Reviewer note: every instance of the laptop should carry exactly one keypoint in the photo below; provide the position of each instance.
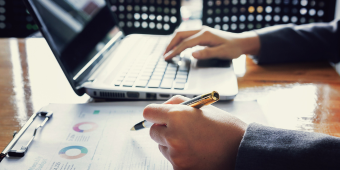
(99, 59)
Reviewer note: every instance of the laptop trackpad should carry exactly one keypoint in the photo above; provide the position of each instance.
(222, 80)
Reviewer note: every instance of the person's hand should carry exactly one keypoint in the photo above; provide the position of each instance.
(206, 138)
(219, 44)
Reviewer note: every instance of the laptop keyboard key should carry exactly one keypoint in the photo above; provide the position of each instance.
(173, 65)
(132, 77)
(182, 73)
(146, 74)
(162, 63)
(156, 77)
(181, 77)
(181, 80)
(117, 83)
(159, 70)
(120, 78)
(123, 73)
(141, 83)
(130, 80)
(167, 83)
(186, 69)
(151, 67)
(158, 74)
(128, 84)
(171, 69)
(154, 83)
(138, 66)
(179, 86)
(169, 76)
(133, 72)
(144, 77)
(148, 71)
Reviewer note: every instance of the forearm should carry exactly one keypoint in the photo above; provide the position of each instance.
(269, 148)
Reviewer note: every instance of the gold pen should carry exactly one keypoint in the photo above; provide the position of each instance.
(196, 102)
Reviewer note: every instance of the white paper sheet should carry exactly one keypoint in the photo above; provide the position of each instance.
(97, 136)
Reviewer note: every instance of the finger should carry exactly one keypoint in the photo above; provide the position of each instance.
(177, 100)
(157, 133)
(211, 52)
(178, 38)
(165, 151)
(203, 38)
(156, 113)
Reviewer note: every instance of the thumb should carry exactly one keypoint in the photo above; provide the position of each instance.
(210, 52)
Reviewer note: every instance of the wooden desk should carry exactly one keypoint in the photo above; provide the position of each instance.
(303, 96)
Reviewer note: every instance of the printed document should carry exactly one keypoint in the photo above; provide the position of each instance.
(97, 136)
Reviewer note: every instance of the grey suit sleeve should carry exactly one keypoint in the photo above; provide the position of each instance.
(267, 148)
(292, 43)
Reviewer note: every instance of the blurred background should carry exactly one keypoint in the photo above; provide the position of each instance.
(142, 16)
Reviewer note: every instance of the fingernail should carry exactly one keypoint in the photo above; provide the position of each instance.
(196, 54)
(167, 54)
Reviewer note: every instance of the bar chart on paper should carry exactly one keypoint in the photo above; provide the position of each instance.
(92, 137)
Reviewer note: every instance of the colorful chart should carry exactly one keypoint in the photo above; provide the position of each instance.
(77, 129)
(83, 152)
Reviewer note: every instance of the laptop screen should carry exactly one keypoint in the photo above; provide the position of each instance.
(76, 31)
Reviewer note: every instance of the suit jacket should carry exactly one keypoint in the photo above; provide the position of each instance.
(267, 148)
(292, 43)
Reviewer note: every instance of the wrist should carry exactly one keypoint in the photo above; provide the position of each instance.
(249, 42)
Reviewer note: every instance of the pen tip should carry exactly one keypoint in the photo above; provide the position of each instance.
(133, 129)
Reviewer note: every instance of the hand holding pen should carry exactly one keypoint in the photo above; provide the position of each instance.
(197, 102)
(205, 138)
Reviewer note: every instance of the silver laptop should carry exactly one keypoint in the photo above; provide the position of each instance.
(98, 59)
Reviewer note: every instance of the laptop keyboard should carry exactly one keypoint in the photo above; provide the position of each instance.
(151, 71)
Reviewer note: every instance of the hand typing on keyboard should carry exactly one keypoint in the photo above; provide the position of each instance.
(220, 44)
